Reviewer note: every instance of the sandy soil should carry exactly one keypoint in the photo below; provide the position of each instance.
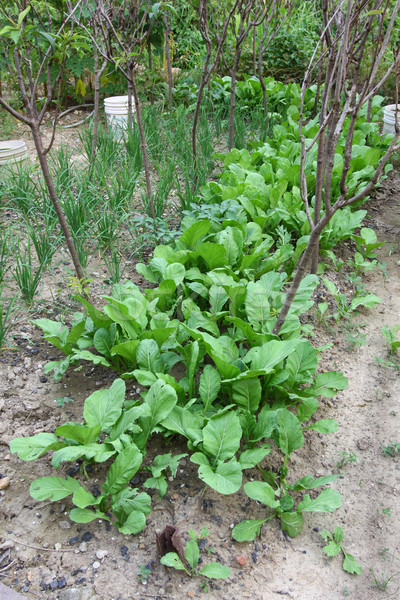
(44, 555)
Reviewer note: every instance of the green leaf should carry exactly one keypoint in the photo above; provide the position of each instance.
(247, 394)
(148, 356)
(53, 488)
(327, 501)
(157, 483)
(171, 559)
(226, 479)
(183, 421)
(332, 548)
(84, 515)
(368, 301)
(104, 341)
(161, 399)
(123, 469)
(257, 305)
(325, 426)
(270, 354)
(97, 452)
(247, 530)
(30, 448)
(327, 384)
(215, 570)
(290, 435)
(192, 553)
(217, 298)
(214, 255)
(262, 492)
(192, 235)
(82, 498)
(350, 565)
(306, 409)
(135, 522)
(78, 432)
(308, 482)
(210, 384)
(292, 523)
(301, 365)
(103, 407)
(250, 458)
(222, 435)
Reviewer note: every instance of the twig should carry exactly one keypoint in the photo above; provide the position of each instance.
(41, 549)
(8, 566)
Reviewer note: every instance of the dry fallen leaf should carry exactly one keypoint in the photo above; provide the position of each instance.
(169, 540)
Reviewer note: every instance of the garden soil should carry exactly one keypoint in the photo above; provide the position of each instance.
(44, 555)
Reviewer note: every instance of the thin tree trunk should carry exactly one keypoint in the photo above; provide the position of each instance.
(300, 273)
(254, 50)
(130, 111)
(233, 97)
(37, 138)
(142, 142)
(168, 61)
(97, 74)
(151, 71)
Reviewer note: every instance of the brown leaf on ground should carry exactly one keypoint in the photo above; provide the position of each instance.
(169, 540)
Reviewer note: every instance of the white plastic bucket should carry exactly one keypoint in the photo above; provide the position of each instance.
(116, 109)
(389, 118)
(13, 151)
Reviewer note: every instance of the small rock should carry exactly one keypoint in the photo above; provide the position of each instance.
(70, 594)
(100, 554)
(241, 559)
(61, 583)
(363, 443)
(142, 546)
(87, 536)
(6, 545)
(169, 587)
(96, 565)
(83, 547)
(64, 525)
(57, 546)
(191, 594)
(73, 540)
(10, 392)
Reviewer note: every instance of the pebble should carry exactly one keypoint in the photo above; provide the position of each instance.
(142, 546)
(169, 587)
(100, 554)
(96, 565)
(191, 594)
(241, 559)
(6, 545)
(83, 547)
(64, 525)
(57, 546)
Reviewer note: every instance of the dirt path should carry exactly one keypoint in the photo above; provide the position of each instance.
(44, 555)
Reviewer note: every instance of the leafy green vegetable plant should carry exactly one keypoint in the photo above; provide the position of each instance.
(211, 570)
(159, 468)
(335, 546)
(104, 415)
(391, 336)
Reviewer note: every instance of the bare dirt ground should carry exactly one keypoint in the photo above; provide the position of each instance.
(44, 555)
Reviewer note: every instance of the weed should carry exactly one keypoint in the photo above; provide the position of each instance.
(384, 511)
(6, 320)
(386, 576)
(391, 449)
(212, 570)
(24, 275)
(391, 336)
(143, 574)
(62, 401)
(346, 458)
(335, 546)
(80, 286)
